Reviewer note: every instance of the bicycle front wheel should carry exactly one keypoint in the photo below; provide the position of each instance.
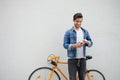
(94, 75)
(43, 73)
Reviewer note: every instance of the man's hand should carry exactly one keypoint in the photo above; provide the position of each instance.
(85, 41)
(77, 45)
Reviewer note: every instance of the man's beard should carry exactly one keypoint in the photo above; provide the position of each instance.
(77, 26)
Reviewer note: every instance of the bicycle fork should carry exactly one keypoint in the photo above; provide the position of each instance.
(51, 74)
(53, 69)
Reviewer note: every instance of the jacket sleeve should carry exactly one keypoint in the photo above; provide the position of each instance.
(66, 43)
(90, 43)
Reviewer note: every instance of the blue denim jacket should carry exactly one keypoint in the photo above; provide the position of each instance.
(70, 38)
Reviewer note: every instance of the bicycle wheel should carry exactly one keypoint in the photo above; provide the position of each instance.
(94, 75)
(43, 73)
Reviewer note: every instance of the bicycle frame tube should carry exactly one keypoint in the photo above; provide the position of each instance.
(62, 73)
(62, 62)
(56, 67)
(51, 74)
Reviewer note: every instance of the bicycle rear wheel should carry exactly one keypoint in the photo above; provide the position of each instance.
(43, 73)
(94, 75)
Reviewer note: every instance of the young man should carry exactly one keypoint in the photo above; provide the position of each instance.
(75, 41)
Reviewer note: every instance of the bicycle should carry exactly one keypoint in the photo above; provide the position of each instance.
(52, 74)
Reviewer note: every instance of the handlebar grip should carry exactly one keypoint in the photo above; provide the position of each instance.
(54, 57)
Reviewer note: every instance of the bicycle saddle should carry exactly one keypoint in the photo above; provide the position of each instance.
(88, 57)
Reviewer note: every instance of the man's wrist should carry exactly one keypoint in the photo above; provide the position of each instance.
(73, 46)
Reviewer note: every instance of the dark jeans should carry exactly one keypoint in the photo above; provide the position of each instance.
(76, 65)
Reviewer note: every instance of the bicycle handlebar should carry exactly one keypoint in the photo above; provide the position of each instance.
(54, 57)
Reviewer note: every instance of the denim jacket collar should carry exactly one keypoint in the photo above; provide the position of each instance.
(73, 29)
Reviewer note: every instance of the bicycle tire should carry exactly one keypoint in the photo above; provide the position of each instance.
(96, 71)
(44, 68)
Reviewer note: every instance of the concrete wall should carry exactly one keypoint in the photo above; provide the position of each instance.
(30, 30)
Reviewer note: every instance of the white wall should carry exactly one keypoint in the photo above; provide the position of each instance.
(30, 30)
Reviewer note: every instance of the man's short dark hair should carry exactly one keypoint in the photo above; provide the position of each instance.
(77, 15)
